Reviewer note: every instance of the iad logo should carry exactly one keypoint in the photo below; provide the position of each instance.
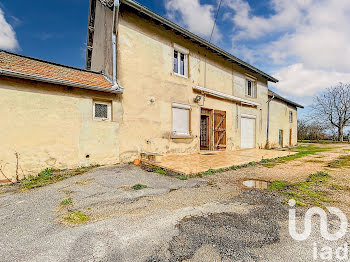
(323, 223)
(326, 252)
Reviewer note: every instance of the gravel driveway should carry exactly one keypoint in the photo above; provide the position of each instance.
(171, 220)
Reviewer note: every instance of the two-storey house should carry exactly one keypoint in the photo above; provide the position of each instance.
(182, 94)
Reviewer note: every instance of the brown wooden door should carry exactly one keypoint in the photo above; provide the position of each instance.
(290, 136)
(219, 130)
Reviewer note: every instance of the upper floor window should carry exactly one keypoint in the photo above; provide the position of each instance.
(290, 117)
(250, 88)
(180, 61)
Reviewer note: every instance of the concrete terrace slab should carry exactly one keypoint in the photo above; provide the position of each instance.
(200, 162)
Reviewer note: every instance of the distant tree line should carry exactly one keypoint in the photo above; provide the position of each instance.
(312, 130)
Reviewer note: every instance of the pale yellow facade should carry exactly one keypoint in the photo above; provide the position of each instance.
(280, 120)
(145, 70)
(52, 126)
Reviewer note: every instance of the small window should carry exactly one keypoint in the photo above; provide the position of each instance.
(181, 119)
(250, 88)
(180, 63)
(102, 111)
(290, 117)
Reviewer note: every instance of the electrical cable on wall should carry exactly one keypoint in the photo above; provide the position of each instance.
(211, 36)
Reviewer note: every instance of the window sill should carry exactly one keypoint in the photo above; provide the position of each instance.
(102, 120)
(179, 75)
(181, 137)
(251, 97)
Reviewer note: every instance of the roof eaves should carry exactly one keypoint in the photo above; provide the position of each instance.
(182, 30)
(271, 93)
(57, 81)
(49, 62)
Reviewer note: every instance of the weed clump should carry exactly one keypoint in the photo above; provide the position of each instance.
(50, 176)
(139, 187)
(342, 161)
(66, 202)
(76, 217)
(277, 185)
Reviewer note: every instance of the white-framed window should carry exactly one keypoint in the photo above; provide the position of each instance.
(180, 61)
(250, 88)
(102, 111)
(181, 119)
(290, 117)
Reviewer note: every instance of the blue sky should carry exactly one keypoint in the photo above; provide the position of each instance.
(303, 43)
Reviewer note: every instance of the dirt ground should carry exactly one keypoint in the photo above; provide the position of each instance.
(298, 171)
(214, 218)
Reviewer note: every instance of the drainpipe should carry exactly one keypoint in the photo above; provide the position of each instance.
(114, 44)
(268, 117)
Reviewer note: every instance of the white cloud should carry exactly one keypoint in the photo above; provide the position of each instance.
(308, 39)
(287, 15)
(8, 38)
(194, 16)
(301, 82)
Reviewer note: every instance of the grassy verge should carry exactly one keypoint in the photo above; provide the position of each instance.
(50, 176)
(302, 151)
(342, 161)
(209, 172)
(312, 192)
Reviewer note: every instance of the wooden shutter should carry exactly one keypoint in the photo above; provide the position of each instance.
(220, 130)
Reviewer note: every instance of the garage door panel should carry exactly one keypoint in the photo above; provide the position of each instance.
(247, 132)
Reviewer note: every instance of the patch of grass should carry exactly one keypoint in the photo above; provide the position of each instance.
(209, 172)
(342, 161)
(277, 185)
(319, 177)
(139, 187)
(302, 151)
(310, 192)
(44, 177)
(76, 217)
(182, 177)
(50, 176)
(314, 161)
(66, 202)
(160, 171)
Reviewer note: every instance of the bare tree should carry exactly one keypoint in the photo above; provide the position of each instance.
(333, 107)
(302, 129)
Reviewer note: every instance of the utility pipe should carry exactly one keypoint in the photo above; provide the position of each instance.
(114, 44)
(268, 116)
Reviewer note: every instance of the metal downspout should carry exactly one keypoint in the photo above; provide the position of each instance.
(268, 117)
(114, 44)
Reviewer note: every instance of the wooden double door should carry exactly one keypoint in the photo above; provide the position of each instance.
(213, 129)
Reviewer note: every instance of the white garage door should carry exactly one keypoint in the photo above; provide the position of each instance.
(247, 132)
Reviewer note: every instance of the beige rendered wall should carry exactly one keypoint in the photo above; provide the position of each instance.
(145, 70)
(279, 120)
(52, 127)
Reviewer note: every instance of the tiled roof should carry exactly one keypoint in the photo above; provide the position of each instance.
(22, 65)
(271, 93)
